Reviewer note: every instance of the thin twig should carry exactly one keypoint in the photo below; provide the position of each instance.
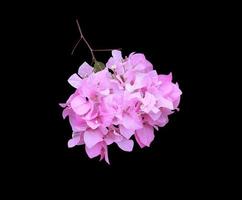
(88, 45)
(79, 27)
(90, 48)
(106, 49)
(84, 39)
(72, 52)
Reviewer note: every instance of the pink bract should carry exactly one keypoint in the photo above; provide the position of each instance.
(119, 107)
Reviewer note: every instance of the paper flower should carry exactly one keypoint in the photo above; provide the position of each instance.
(121, 103)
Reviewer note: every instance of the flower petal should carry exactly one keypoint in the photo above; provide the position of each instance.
(75, 81)
(94, 151)
(63, 105)
(77, 124)
(131, 122)
(138, 141)
(148, 102)
(80, 106)
(93, 124)
(106, 154)
(155, 116)
(126, 145)
(146, 135)
(117, 55)
(74, 141)
(65, 112)
(127, 133)
(85, 70)
(92, 137)
(163, 102)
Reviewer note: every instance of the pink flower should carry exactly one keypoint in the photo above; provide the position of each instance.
(126, 100)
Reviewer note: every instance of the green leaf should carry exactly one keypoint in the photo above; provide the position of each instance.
(98, 66)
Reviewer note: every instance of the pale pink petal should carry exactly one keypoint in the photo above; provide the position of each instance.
(106, 119)
(156, 128)
(136, 58)
(106, 154)
(93, 113)
(162, 121)
(165, 78)
(75, 81)
(131, 122)
(109, 140)
(63, 105)
(71, 97)
(77, 124)
(105, 92)
(163, 102)
(117, 55)
(92, 137)
(127, 133)
(93, 124)
(65, 112)
(146, 135)
(80, 135)
(140, 67)
(135, 95)
(148, 102)
(79, 105)
(102, 154)
(85, 70)
(94, 151)
(155, 110)
(155, 116)
(74, 141)
(140, 81)
(138, 141)
(130, 88)
(126, 145)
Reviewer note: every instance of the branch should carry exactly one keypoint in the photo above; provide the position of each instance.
(74, 48)
(106, 49)
(88, 45)
(84, 39)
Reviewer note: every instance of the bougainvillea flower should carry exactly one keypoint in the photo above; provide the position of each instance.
(121, 103)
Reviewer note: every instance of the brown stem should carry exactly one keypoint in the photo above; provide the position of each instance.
(88, 45)
(106, 49)
(74, 48)
(84, 39)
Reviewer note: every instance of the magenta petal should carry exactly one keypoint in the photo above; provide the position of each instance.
(106, 154)
(94, 151)
(74, 141)
(75, 81)
(76, 122)
(79, 105)
(92, 137)
(126, 145)
(65, 112)
(139, 142)
(146, 135)
(127, 133)
(148, 102)
(92, 114)
(155, 116)
(131, 122)
(93, 124)
(165, 103)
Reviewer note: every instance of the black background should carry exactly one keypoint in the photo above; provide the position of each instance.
(169, 37)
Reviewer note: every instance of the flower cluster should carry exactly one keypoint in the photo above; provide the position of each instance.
(124, 101)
